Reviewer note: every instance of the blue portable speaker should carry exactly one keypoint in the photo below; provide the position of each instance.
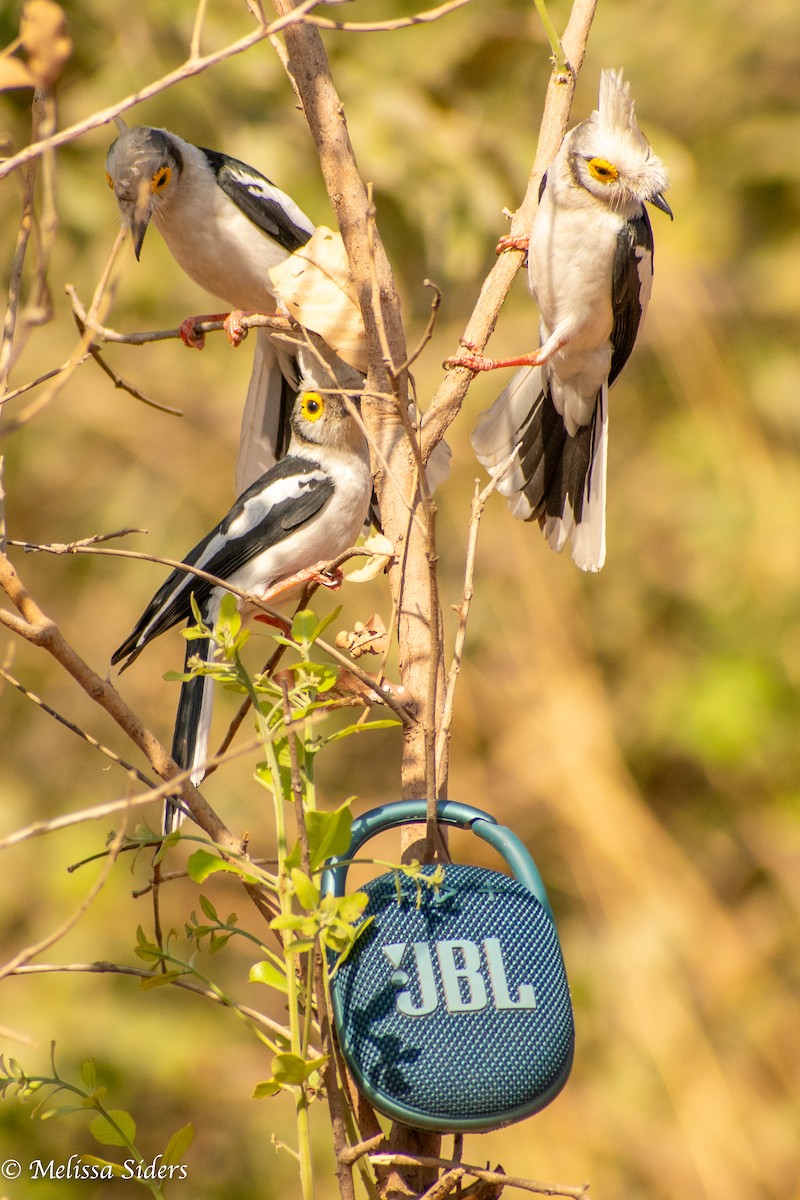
(453, 1010)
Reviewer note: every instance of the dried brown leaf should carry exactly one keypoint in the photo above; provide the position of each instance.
(14, 74)
(315, 287)
(45, 37)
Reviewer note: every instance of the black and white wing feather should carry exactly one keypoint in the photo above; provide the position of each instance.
(276, 505)
(631, 285)
(261, 201)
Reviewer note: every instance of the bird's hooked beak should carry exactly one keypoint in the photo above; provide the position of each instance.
(140, 219)
(657, 201)
(138, 230)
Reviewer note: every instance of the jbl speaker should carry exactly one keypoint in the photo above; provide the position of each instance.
(453, 1009)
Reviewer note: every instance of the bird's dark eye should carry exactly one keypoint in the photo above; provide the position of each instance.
(602, 170)
(160, 179)
(313, 406)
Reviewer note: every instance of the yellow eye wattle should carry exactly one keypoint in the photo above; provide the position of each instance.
(312, 406)
(602, 170)
(109, 181)
(160, 179)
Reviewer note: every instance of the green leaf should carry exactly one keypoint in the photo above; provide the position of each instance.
(300, 946)
(349, 908)
(208, 908)
(104, 1132)
(305, 890)
(117, 1169)
(287, 921)
(328, 834)
(169, 841)
(289, 1069)
(349, 730)
(178, 1144)
(305, 626)
(326, 621)
(160, 979)
(263, 1090)
(269, 974)
(64, 1111)
(89, 1074)
(202, 863)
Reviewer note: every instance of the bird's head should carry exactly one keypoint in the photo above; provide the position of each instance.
(320, 419)
(143, 169)
(611, 158)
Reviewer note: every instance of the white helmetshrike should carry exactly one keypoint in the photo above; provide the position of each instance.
(303, 512)
(590, 268)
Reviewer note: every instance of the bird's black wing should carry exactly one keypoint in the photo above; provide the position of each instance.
(264, 204)
(277, 504)
(630, 287)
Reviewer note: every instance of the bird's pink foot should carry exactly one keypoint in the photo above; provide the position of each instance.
(521, 242)
(235, 327)
(475, 361)
(193, 337)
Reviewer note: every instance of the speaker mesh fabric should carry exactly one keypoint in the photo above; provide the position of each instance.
(455, 1069)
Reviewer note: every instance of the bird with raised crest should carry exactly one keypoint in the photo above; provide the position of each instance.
(590, 268)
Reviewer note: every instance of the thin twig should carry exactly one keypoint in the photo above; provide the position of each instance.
(187, 70)
(444, 1185)
(24, 956)
(76, 729)
(353, 1153)
(427, 333)
(78, 355)
(197, 30)
(188, 985)
(450, 395)
(479, 500)
(34, 383)
(118, 381)
(96, 811)
(18, 261)
(423, 18)
(36, 627)
(249, 321)
(513, 1181)
(384, 697)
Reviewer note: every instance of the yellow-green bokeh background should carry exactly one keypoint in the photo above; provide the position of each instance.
(638, 729)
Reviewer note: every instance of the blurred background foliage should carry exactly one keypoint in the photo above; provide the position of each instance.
(638, 729)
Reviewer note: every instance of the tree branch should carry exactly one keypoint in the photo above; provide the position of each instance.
(447, 402)
(36, 627)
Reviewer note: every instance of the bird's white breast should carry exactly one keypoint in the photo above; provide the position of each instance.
(570, 267)
(334, 529)
(213, 241)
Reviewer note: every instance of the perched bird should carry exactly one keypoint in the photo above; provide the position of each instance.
(590, 268)
(302, 513)
(226, 225)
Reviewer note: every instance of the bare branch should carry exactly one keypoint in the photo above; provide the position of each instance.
(29, 952)
(188, 69)
(36, 627)
(478, 504)
(558, 101)
(96, 811)
(81, 733)
(513, 1181)
(422, 18)
(188, 985)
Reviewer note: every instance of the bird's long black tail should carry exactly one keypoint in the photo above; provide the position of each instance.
(192, 727)
(553, 477)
